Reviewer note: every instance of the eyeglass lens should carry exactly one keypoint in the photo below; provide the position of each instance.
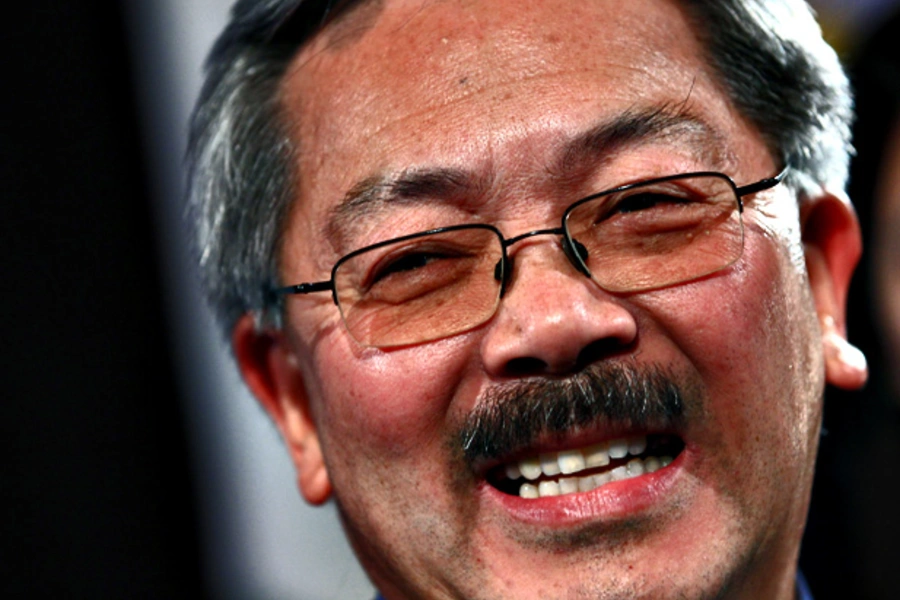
(421, 288)
(646, 236)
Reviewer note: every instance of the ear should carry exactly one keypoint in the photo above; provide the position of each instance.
(832, 245)
(272, 372)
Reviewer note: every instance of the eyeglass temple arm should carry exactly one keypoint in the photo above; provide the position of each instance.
(304, 288)
(763, 184)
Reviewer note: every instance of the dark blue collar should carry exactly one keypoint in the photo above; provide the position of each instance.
(803, 592)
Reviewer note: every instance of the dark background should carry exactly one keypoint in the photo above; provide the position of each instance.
(97, 497)
(97, 494)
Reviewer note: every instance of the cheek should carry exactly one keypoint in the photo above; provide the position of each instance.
(394, 404)
(749, 337)
(755, 325)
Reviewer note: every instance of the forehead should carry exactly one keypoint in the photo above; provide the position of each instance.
(448, 50)
(482, 86)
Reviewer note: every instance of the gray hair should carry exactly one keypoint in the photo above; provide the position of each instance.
(769, 55)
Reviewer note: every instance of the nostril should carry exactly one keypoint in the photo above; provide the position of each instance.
(599, 350)
(524, 366)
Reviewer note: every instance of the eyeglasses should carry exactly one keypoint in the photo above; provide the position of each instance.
(647, 235)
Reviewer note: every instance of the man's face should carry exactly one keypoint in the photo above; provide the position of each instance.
(506, 95)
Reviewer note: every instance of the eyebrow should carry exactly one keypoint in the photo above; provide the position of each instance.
(372, 194)
(634, 127)
(580, 155)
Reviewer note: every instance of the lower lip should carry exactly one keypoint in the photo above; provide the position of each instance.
(614, 501)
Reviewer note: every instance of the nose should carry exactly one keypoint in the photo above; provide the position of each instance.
(553, 319)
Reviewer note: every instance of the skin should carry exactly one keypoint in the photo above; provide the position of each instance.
(499, 92)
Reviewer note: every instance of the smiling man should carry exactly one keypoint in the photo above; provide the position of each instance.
(544, 295)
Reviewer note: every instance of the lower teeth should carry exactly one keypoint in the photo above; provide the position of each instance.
(570, 485)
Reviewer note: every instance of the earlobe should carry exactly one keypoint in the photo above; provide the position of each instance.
(832, 246)
(845, 364)
(271, 371)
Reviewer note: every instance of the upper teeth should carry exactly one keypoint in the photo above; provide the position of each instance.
(570, 462)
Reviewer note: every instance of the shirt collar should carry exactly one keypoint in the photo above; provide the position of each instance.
(803, 592)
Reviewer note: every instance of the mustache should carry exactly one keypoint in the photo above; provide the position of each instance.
(516, 415)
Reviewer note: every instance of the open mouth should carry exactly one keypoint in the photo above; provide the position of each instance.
(585, 469)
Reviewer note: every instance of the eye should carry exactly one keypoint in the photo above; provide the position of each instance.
(409, 264)
(646, 200)
(404, 263)
(653, 209)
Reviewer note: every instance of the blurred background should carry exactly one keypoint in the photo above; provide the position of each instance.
(135, 465)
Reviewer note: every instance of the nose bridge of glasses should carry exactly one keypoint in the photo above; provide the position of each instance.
(575, 252)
